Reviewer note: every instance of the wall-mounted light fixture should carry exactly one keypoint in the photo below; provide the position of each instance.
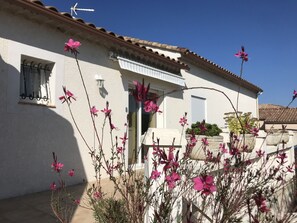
(100, 80)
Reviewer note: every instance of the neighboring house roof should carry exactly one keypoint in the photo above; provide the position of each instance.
(201, 61)
(37, 6)
(265, 106)
(278, 115)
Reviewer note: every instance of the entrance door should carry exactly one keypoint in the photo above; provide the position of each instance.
(139, 122)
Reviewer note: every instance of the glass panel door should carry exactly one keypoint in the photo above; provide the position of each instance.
(139, 122)
(132, 136)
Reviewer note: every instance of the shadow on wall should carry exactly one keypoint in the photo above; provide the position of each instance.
(28, 136)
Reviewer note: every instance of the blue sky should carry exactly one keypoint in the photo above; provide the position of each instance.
(214, 29)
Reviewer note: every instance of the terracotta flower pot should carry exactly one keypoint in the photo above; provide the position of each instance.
(199, 151)
(276, 138)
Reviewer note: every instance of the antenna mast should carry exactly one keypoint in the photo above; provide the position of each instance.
(74, 10)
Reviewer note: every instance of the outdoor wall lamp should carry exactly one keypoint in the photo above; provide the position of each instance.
(100, 80)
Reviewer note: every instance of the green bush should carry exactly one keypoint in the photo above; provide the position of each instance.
(202, 128)
(110, 210)
(243, 124)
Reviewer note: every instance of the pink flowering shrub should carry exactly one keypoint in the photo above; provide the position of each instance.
(205, 184)
(62, 202)
(229, 186)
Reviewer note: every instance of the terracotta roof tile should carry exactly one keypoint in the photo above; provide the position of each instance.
(36, 2)
(156, 44)
(51, 8)
(263, 106)
(186, 52)
(118, 37)
(278, 115)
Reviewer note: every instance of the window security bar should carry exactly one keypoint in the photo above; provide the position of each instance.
(34, 81)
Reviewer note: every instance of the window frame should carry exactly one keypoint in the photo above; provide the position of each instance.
(35, 66)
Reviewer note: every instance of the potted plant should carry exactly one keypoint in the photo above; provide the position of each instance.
(208, 140)
(274, 137)
(244, 128)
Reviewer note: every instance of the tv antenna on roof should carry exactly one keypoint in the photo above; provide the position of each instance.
(74, 10)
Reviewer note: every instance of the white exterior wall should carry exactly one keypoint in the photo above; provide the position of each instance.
(30, 132)
(216, 103)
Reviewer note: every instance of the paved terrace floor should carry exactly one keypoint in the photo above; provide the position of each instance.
(35, 208)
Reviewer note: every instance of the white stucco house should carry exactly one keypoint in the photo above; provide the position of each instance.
(207, 104)
(34, 67)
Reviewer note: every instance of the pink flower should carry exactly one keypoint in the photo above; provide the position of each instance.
(204, 184)
(140, 92)
(112, 126)
(261, 203)
(77, 201)
(71, 172)
(223, 148)
(171, 179)
(202, 127)
(120, 150)
(124, 139)
(282, 157)
(175, 176)
(72, 46)
(97, 195)
(294, 94)
(118, 166)
(68, 95)
(155, 174)
(242, 55)
(94, 111)
(248, 162)
(263, 208)
(62, 98)
(290, 169)
(226, 164)
(170, 161)
(106, 110)
(235, 151)
(254, 131)
(260, 153)
(204, 141)
(156, 149)
(193, 140)
(57, 166)
(53, 186)
(183, 120)
(150, 106)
